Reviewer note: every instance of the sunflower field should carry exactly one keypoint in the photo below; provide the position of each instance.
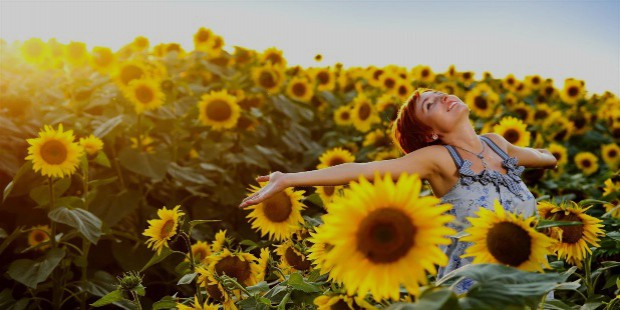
(122, 171)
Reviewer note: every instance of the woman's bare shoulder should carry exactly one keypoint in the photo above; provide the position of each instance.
(497, 139)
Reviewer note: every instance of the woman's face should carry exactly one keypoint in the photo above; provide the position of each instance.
(441, 111)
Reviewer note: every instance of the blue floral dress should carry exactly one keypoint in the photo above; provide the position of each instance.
(473, 191)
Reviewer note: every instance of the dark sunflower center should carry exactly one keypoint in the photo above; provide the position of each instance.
(299, 89)
(535, 80)
(234, 267)
(570, 234)
(580, 122)
(267, 80)
(541, 114)
(509, 243)
(200, 254)
(144, 94)
(557, 155)
(425, 73)
(219, 110)
(278, 207)
(166, 229)
(39, 236)
(612, 154)
(572, 91)
(340, 305)
(466, 75)
(385, 235)
(377, 74)
(512, 135)
(335, 161)
(402, 90)
(586, 163)
(616, 133)
(274, 58)
(214, 292)
(173, 47)
(296, 261)
(561, 134)
(130, 73)
(364, 111)
(323, 77)
(382, 141)
(548, 90)
(54, 152)
(510, 81)
(329, 190)
(480, 103)
(389, 83)
(345, 116)
(522, 113)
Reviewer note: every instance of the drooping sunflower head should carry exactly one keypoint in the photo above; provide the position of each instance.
(39, 234)
(145, 94)
(54, 153)
(278, 216)
(587, 162)
(91, 144)
(572, 241)
(335, 156)
(342, 115)
(502, 237)
(514, 131)
(263, 264)
(383, 235)
(163, 229)
(219, 110)
(611, 155)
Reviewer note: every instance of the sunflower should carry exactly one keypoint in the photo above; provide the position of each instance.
(482, 100)
(384, 235)
(389, 104)
(201, 251)
(534, 82)
(573, 91)
(263, 264)
(163, 229)
(215, 290)
(335, 156)
(614, 208)
(523, 111)
(239, 265)
(573, 241)
(389, 154)
(509, 82)
(423, 74)
(197, 305)
(466, 77)
(339, 301)
(91, 144)
(541, 113)
(611, 155)
(202, 38)
(219, 110)
(273, 56)
(389, 81)
(102, 59)
(279, 215)
(327, 193)
(586, 162)
(503, 237)
(300, 89)
(364, 114)
(559, 152)
(129, 71)
(34, 50)
(377, 138)
(145, 94)
(139, 44)
(145, 144)
(39, 234)
(558, 127)
(611, 187)
(318, 249)
(291, 259)
(325, 79)
(342, 116)
(76, 53)
(220, 241)
(513, 130)
(451, 73)
(54, 152)
(269, 76)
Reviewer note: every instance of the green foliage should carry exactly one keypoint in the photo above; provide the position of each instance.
(31, 273)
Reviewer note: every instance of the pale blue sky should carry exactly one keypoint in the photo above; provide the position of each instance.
(556, 39)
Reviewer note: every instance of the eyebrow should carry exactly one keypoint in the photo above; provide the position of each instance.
(425, 100)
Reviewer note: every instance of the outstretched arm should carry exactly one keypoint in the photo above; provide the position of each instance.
(421, 162)
(528, 157)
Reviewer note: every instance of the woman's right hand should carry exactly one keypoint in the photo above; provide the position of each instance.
(276, 184)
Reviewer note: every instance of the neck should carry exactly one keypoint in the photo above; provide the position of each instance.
(465, 137)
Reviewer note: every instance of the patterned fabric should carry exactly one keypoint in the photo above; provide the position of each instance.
(473, 191)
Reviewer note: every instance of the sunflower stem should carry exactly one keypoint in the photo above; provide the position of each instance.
(587, 266)
(56, 290)
(192, 265)
(136, 299)
(117, 165)
(85, 242)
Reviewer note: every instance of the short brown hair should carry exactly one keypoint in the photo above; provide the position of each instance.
(408, 132)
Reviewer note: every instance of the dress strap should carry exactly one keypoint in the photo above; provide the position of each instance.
(458, 161)
(495, 148)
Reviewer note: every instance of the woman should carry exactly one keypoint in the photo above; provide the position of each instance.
(464, 169)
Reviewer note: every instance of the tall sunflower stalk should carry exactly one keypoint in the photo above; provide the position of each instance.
(57, 291)
(192, 263)
(85, 242)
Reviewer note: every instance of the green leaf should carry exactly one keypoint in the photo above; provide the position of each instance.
(556, 304)
(547, 224)
(259, 287)
(187, 279)
(107, 126)
(150, 165)
(586, 202)
(27, 166)
(114, 296)
(95, 183)
(31, 273)
(188, 174)
(297, 282)
(198, 222)
(41, 194)
(16, 233)
(85, 222)
(614, 235)
(102, 159)
(165, 252)
(255, 303)
(111, 206)
(438, 298)
(167, 302)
